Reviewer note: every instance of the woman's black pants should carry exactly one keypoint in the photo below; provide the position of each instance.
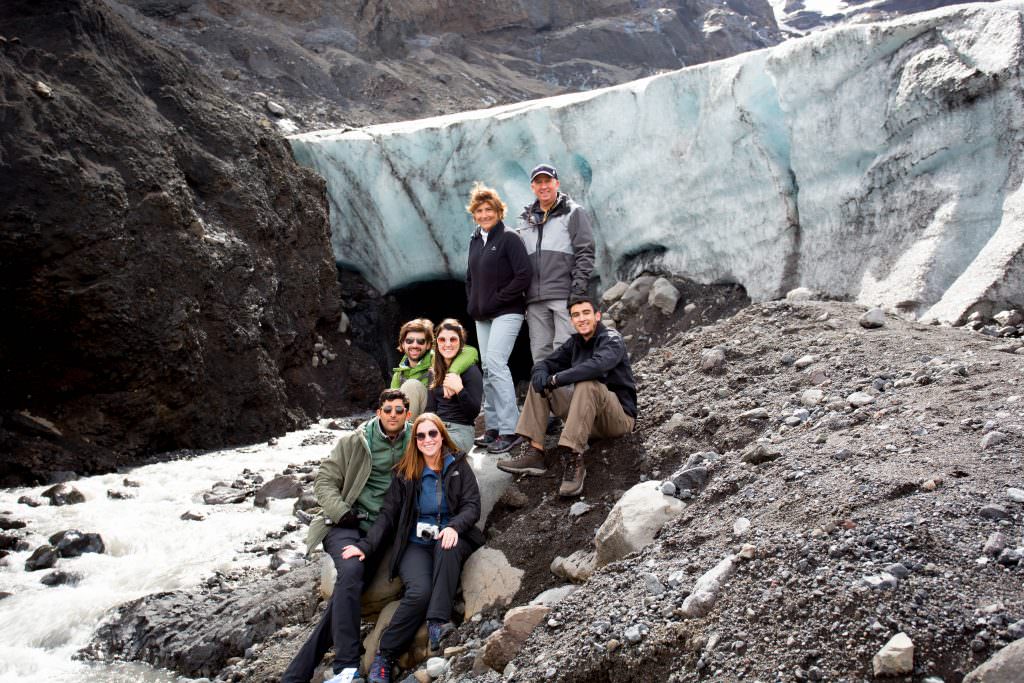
(431, 577)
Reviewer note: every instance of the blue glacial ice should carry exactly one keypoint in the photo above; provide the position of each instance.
(879, 163)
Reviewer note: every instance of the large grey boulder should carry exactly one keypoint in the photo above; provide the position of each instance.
(1005, 666)
(633, 522)
(664, 296)
(636, 295)
(488, 580)
(72, 543)
(63, 494)
(283, 486)
(577, 567)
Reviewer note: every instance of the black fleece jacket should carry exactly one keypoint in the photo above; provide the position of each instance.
(398, 513)
(498, 274)
(603, 357)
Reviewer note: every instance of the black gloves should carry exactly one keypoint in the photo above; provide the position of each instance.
(539, 380)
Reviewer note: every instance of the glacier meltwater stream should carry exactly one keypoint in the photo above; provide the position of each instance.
(149, 549)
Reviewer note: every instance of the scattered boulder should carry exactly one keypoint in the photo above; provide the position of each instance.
(690, 478)
(63, 494)
(72, 543)
(712, 361)
(117, 494)
(577, 567)
(758, 453)
(812, 397)
(1011, 317)
(754, 414)
(801, 294)
(59, 578)
(633, 522)
(553, 596)
(43, 557)
(1004, 666)
(872, 319)
(993, 438)
(488, 580)
(614, 293)
(192, 516)
(895, 658)
(29, 501)
(664, 296)
(706, 590)
(283, 486)
(224, 495)
(859, 399)
(417, 651)
(638, 292)
(503, 645)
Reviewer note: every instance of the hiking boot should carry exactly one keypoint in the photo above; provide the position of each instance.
(486, 439)
(504, 443)
(436, 632)
(574, 472)
(380, 670)
(530, 462)
(555, 425)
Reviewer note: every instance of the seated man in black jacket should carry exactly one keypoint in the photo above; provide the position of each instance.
(588, 382)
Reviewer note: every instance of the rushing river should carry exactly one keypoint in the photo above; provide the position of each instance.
(148, 550)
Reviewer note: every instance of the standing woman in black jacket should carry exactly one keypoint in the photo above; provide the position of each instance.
(428, 514)
(455, 397)
(496, 280)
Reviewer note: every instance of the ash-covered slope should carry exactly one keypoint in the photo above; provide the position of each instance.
(898, 510)
(165, 263)
(878, 163)
(358, 62)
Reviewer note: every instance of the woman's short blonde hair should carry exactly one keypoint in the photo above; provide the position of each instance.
(482, 194)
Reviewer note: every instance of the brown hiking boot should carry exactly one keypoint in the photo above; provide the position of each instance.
(574, 472)
(530, 462)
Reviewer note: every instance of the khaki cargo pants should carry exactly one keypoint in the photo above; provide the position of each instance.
(588, 408)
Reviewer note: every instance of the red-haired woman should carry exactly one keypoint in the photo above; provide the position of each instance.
(429, 513)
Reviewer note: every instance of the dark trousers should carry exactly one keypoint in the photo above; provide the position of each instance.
(431, 577)
(339, 625)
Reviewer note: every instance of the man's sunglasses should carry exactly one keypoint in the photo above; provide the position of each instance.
(418, 341)
(423, 436)
(399, 410)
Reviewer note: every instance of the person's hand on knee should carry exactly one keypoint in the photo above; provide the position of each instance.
(449, 537)
(350, 551)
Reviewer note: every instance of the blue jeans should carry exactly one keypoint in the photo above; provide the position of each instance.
(497, 337)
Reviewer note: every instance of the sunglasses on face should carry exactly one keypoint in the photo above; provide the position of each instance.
(416, 341)
(430, 434)
(399, 410)
(453, 340)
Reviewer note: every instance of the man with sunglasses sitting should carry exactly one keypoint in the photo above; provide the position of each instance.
(412, 376)
(350, 486)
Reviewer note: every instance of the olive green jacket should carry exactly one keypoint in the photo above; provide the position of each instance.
(340, 480)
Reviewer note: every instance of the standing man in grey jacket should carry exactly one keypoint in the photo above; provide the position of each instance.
(350, 487)
(560, 243)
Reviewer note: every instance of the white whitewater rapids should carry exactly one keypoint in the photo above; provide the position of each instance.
(148, 550)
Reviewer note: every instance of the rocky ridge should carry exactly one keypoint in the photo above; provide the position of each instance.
(167, 267)
(310, 65)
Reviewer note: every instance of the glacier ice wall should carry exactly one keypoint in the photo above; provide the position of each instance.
(877, 162)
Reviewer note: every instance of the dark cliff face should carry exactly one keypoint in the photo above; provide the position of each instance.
(165, 266)
(359, 62)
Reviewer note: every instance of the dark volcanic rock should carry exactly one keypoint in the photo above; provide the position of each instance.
(59, 578)
(166, 265)
(195, 633)
(44, 557)
(62, 494)
(364, 62)
(72, 543)
(284, 486)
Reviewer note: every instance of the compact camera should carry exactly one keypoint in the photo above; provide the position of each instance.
(426, 531)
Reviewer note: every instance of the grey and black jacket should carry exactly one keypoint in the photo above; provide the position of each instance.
(561, 248)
